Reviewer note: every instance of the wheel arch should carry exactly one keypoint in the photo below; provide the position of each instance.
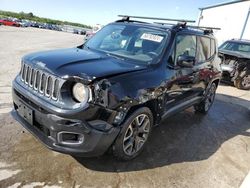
(216, 81)
(152, 105)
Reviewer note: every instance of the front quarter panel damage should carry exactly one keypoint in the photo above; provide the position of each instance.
(122, 93)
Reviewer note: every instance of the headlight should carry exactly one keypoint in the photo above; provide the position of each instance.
(80, 93)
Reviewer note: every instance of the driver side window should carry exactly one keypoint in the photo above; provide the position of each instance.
(185, 45)
(114, 41)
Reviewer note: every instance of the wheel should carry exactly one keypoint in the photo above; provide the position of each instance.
(134, 134)
(205, 105)
(243, 81)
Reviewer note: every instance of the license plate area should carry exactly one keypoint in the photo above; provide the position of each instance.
(25, 112)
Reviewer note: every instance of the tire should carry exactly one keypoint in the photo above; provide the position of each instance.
(242, 81)
(204, 106)
(134, 135)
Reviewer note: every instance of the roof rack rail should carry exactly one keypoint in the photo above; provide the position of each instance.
(203, 27)
(127, 17)
(161, 23)
(207, 30)
(240, 39)
(190, 26)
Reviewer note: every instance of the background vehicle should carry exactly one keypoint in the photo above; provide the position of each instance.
(94, 30)
(34, 24)
(24, 23)
(82, 32)
(9, 23)
(109, 92)
(236, 62)
(75, 31)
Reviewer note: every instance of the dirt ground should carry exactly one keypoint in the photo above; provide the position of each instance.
(187, 150)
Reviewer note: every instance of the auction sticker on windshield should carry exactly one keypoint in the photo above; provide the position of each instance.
(151, 37)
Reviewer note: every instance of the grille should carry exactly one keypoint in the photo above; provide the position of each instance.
(40, 81)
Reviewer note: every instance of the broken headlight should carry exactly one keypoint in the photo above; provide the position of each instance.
(80, 93)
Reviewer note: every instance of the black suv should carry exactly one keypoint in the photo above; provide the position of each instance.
(109, 92)
(236, 62)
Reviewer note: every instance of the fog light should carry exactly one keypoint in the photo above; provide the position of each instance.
(70, 138)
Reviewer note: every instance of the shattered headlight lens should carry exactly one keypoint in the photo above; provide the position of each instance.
(80, 93)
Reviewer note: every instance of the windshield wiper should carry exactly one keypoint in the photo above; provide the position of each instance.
(114, 56)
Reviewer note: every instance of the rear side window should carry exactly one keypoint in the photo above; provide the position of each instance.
(204, 47)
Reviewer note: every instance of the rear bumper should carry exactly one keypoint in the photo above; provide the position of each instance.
(69, 136)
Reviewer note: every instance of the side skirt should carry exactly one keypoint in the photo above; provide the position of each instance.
(181, 107)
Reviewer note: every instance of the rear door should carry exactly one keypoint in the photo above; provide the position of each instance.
(205, 57)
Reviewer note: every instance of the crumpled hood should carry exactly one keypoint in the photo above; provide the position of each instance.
(236, 54)
(80, 63)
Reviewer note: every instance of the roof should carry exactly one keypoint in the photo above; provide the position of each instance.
(223, 4)
(242, 41)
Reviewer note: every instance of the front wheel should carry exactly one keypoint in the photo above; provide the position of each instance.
(205, 105)
(243, 81)
(134, 134)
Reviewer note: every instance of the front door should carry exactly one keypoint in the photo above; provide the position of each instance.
(181, 87)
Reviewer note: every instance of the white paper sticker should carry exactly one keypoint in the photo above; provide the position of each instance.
(151, 37)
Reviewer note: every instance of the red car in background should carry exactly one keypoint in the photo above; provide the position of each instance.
(9, 23)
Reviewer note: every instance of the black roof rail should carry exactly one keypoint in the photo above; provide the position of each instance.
(122, 20)
(240, 39)
(127, 18)
(161, 23)
(182, 23)
(203, 27)
(207, 30)
(191, 26)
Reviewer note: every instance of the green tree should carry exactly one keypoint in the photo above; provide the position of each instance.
(31, 15)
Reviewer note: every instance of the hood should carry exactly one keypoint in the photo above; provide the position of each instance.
(236, 54)
(80, 63)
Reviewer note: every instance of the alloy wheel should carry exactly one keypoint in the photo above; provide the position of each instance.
(136, 134)
(246, 81)
(210, 97)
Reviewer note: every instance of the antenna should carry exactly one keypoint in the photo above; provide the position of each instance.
(127, 17)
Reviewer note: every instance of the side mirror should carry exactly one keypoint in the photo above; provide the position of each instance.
(186, 61)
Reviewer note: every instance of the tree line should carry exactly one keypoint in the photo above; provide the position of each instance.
(30, 16)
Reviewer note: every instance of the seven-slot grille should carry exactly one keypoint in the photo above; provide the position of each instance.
(40, 81)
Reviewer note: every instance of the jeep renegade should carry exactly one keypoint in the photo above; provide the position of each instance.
(108, 93)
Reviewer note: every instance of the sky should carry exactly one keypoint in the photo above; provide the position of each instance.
(93, 12)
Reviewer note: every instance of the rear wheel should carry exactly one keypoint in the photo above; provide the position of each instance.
(205, 105)
(134, 134)
(243, 81)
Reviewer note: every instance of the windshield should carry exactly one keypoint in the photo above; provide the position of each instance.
(129, 42)
(236, 47)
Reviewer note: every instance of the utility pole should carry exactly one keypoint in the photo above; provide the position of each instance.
(245, 24)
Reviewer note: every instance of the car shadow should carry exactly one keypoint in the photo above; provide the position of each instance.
(185, 137)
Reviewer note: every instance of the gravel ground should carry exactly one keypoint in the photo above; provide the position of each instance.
(187, 150)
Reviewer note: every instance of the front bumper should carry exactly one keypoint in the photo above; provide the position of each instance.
(69, 136)
(228, 72)
(227, 68)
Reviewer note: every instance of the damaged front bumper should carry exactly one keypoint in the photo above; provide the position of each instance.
(60, 133)
(228, 72)
(227, 68)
